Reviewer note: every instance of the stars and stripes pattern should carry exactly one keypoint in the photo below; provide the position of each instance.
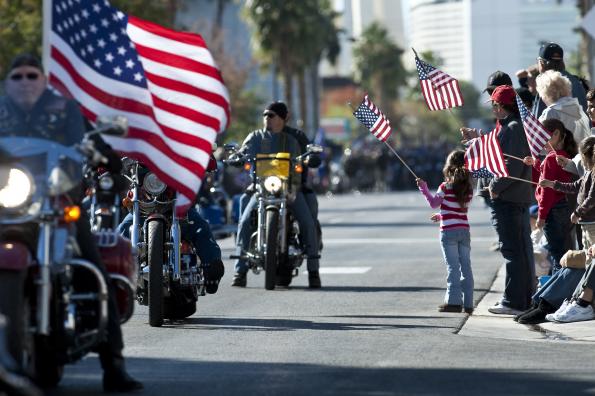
(440, 90)
(164, 82)
(482, 173)
(484, 154)
(537, 135)
(373, 119)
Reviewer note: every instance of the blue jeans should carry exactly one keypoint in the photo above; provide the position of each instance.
(559, 287)
(196, 230)
(557, 232)
(511, 220)
(302, 214)
(456, 249)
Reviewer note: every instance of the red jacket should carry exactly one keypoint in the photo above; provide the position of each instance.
(550, 170)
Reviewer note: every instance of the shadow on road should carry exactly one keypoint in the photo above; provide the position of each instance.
(399, 224)
(272, 324)
(177, 377)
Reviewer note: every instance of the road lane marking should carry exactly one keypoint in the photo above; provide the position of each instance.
(380, 241)
(343, 270)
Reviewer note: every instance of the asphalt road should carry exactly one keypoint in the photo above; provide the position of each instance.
(373, 329)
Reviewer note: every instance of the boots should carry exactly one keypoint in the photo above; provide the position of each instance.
(239, 279)
(314, 280)
(213, 273)
(538, 314)
(115, 377)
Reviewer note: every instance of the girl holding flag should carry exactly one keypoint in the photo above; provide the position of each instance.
(453, 198)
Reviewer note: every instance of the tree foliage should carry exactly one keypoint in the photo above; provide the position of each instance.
(378, 63)
(21, 23)
(292, 35)
(20, 29)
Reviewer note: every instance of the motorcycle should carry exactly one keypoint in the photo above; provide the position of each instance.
(275, 246)
(171, 276)
(54, 318)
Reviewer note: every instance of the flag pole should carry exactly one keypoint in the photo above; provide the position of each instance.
(401, 159)
(523, 180)
(46, 30)
(390, 148)
(512, 156)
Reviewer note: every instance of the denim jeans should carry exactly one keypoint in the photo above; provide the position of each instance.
(511, 220)
(456, 249)
(196, 229)
(557, 232)
(559, 287)
(302, 214)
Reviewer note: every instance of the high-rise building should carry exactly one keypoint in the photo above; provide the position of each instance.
(356, 16)
(476, 37)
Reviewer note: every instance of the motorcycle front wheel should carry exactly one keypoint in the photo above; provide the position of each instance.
(155, 253)
(270, 259)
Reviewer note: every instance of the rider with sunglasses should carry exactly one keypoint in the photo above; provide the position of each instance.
(31, 109)
(277, 136)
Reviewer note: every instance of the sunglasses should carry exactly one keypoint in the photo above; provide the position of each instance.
(29, 76)
(269, 115)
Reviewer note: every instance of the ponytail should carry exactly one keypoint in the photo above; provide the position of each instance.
(455, 172)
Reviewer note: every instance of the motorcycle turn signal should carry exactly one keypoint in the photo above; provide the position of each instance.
(71, 213)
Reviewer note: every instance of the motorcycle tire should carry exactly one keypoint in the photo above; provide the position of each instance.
(272, 237)
(48, 372)
(12, 301)
(155, 254)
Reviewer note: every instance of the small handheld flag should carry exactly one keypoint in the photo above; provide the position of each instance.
(537, 135)
(373, 119)
(485, 155)
(440, 90)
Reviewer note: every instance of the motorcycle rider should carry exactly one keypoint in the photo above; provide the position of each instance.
(197, 230)
(31, 109)
(277, 136)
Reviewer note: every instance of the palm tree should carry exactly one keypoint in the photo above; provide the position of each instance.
(292, 36)
(379, 65)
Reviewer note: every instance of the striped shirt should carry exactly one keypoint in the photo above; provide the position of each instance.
(452, 215)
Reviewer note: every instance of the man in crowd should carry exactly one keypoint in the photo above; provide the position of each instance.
(551, 57)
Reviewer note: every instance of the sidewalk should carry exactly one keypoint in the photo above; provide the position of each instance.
(485, 324)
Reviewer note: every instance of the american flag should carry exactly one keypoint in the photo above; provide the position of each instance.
(484, 154)
(537, 135)
(482, 173)
(164, 82)
(373, 119)
(440, 90)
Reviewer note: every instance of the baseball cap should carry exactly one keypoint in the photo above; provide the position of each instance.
(503, 94)
(26, 59)
(551, 51)
(497, 78)
(278, 108)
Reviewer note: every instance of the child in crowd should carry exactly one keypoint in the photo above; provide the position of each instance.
(453, 198)
(553, 214)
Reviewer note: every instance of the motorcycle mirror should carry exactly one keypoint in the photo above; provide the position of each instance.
(314, 148)
(231, 147)
(112, 126)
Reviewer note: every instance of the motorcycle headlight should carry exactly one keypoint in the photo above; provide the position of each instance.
(153, 185)
(106, 182)
(273, 184)
(18, 189)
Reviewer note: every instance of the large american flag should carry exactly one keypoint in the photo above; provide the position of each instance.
(484, 154)
(373, 119)
(440, 90)
(164, 82)
(537, 135)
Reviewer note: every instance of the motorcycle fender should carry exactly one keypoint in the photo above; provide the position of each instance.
(14, 256)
